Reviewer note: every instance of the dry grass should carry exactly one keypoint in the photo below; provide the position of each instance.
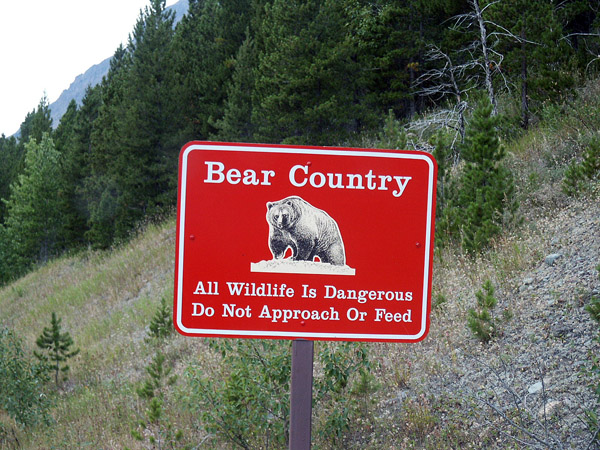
(105, 301)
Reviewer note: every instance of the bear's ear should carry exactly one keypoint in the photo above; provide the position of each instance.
(269, 205)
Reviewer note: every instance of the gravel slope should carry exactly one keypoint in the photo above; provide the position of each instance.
(530, 382)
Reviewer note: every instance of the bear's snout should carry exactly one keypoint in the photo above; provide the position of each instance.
(282, 220)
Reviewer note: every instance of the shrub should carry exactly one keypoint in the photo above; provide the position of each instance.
(445, 156)
(249, 404)
(593, 419)
(480, 319)
(588, 169)
(160, 325)
(393, 135)
(486, 187)
(21, 383)
(154, 425)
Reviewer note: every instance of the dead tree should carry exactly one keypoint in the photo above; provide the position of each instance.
(447, 81)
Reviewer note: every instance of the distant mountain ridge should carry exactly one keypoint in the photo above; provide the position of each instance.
(76, 90)
(94, 75)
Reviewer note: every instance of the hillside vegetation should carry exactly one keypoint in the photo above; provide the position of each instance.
(534, 380)
(87, 233)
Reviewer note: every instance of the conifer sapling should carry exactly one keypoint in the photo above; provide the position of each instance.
(56, 348)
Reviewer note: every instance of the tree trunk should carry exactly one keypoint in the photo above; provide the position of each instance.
(486, 59)
(524, 94)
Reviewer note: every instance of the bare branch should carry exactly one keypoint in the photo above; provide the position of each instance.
(514, 424)
(548, 439)
(594, 438)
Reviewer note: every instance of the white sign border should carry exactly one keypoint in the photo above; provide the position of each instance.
(257, 148)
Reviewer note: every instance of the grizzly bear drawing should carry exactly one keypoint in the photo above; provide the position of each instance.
(308, 231)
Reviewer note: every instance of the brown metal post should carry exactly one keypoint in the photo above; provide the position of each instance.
(301, 395)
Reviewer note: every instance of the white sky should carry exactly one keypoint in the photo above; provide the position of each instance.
(45, 44)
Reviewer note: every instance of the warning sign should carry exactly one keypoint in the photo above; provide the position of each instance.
(304, 242)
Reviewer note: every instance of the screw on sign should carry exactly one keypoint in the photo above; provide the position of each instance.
(304, 243)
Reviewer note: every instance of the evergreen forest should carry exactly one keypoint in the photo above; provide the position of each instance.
(318, 72)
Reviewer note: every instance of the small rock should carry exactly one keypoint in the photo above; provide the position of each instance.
(561, 330)
(535, 388)
(527, 281)
(551, 259)
(548, 410)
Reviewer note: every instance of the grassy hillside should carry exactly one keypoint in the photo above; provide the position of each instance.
(106, 301)
(449, 391)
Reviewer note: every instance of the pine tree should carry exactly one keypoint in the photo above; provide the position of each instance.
(161, 324)
(21, 385)
(134, 151)
(391, 40)
(37, 122)
(442, 152)
(486, 191)
(105, 141)
(236, 124)
(10, 162)
(64, 137)
(56, 348)
(481, 319)
(33, 220)
(306, 81)
(155, 425)
(149, 185)
(73, 141)
(530, 37)
(205, 46)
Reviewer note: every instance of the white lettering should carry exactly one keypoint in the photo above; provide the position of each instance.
(352, 177)
(301, 176)
(265, 314)
(293, 175)
(200, 310)
(231, 310)
(330, 291)
(285, 315)
(250, 177)
(402, 182)
(213, 288)
(234, 176)
(266, 175)
(384, 179)
(381, 314)
(338, 184)
(317, 184)
(212, 172)
(354, 314)
(215, 173)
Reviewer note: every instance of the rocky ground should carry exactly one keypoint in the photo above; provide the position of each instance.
(530, 386)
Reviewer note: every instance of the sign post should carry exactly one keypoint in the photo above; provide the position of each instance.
(301, 394)
(304, 243)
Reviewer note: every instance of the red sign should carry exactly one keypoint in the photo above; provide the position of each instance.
(304, 242)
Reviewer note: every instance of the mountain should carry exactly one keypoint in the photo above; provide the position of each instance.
(94, 75)
(76, 90)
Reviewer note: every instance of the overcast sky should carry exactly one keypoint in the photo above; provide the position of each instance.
(45, 44)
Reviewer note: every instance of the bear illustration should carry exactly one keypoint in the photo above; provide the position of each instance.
(308, 231)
